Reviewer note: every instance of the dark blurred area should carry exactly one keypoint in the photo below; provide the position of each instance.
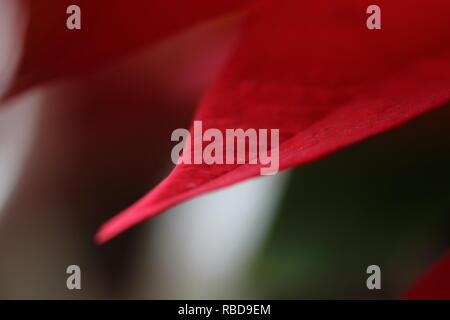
(384, 201)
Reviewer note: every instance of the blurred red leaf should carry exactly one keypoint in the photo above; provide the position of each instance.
(313, 70)
(434, 284)
(110, 29)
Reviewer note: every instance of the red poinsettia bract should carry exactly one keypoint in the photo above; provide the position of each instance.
(311, 69)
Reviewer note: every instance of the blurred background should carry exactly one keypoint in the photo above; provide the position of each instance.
(76, 152)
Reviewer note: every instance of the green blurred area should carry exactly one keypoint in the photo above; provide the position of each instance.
(384, 201)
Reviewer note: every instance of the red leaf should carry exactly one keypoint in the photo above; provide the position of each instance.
(110, 29)
(434, 285)
(313, 70)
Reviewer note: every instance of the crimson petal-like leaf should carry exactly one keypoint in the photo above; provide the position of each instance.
(434, 285)
(312, 69)
(110, 29)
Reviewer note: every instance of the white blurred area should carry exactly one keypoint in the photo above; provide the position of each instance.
(203, 248)
(18, 117)
(18, 120)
